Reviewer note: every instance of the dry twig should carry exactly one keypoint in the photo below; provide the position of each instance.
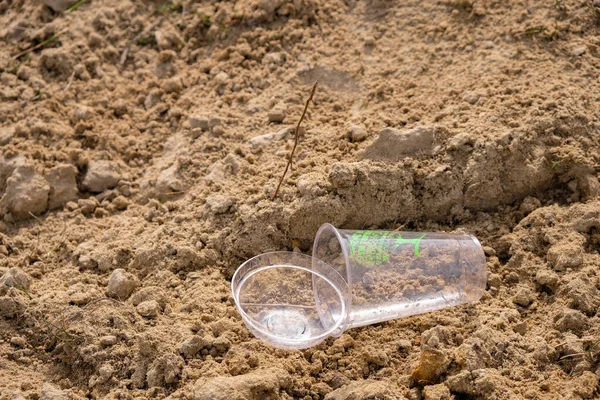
(290, 160)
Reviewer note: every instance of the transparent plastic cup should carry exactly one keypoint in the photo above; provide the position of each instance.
(355, 278)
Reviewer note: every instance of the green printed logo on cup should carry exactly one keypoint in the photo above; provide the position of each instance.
(373, 248)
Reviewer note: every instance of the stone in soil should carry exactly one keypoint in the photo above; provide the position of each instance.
(26, 193)
(268, 382)
(121, 284)
(63, 185)
(393, 145)
(100, 176)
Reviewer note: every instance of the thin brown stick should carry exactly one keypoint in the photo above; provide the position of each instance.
(289, 163)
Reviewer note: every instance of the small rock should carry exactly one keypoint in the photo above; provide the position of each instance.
(218, 131)
(571, 320)
(152, 99)
(547, 279)
(394, 145)
(11, 307)
(437, 392)
(494, 280)
(579, 51)
(63, 185)
(18, 341)
(367, 389)
(378, 358)
(263, 384)
(192, 346)
(105, 372)
(172, 85)
(404, 346)
(264, 140)
(198, 122)
(222, 78)
(14, 277)
(470, 97)
(219, 204)
(120, 203)
(148, 309)
(150, 293)
(356, 133)
(170, 180)
(83, 113)
(100, 176)
(71, 206)
(87, 206)
(168, 39)
(51, 392)
(582, 294)
(59, 5)
(108, 340)
(26, 193)
(214, 122)
(523, 297)
(121, 284)
(276, 115)
(432, 364)
(565, 254)
(480, 383)
(56, 60)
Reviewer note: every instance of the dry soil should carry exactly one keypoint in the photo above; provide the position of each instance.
(141, 141)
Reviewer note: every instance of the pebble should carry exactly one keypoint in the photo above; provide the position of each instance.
(394, 145)
(108, 340)
(404, 346)
(470, 97)
(523, 297)
(148, 309)
(579, 51)
(51, 392)
(26, 193)
(218, 203)
(14, 277)
(101, 175)
(121, 284)
(356, 133)
(264, 140)
(494, 280)
(18, 341)
(120, 203)
(63, 185)
(87, 206)
(172, 85)
(276, 115)
(214, 121)
(198, 122)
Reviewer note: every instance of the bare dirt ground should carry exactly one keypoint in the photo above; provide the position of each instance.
(141, 143)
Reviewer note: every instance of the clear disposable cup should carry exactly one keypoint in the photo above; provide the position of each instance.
(393, 274)
(355, 278)
(289, 300)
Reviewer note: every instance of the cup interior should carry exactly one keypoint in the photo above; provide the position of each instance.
(290, 300)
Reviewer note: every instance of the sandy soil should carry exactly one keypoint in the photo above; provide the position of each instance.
(140, 147)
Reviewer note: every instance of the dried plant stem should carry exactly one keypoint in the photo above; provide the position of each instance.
(290, 160)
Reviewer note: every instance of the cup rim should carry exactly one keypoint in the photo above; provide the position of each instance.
(347, 278)
(274, 339)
